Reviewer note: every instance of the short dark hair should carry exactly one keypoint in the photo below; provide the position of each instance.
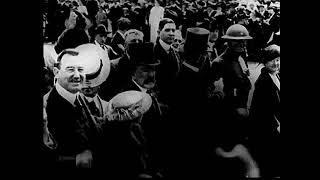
(64, 52)
(165, 21)
(123, 24)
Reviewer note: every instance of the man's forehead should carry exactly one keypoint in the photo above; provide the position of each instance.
(69, 60)
(169, 26)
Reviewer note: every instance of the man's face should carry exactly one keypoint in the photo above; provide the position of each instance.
(71, 74)
(214, 35)
(273, 65)
(101, 39)
(167, 33)
(90, 91)
(145, 76)
(177, 40)
(237, 45)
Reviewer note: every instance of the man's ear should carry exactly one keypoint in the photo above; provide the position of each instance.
(55, 71)
(158, 31)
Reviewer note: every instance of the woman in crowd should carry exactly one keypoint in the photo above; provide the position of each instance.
(265, 115)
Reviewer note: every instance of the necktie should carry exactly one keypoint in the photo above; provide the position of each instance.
(155, 103)
(173, 59)
(93, 108)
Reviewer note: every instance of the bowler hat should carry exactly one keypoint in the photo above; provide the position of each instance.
(142, 54)
(169, 13)
(102, 30)
(97, 68)
(196, 41)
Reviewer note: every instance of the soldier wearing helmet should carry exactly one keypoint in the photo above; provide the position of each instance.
(236, 86)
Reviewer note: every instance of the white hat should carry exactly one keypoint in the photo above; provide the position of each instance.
(128, 105)
(97, 66)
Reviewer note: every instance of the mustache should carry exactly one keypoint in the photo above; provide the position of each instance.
(150, 80)
(76, 79)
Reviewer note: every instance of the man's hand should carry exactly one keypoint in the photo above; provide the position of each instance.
(243, 112)
(84, 159)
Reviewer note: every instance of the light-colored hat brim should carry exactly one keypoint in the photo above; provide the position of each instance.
(128, 105)
(236, 38)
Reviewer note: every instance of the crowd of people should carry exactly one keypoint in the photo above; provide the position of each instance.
(149, 89)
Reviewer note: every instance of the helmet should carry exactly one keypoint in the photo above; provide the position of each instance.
(236, 32)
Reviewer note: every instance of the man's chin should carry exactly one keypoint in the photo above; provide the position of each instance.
(75, 89)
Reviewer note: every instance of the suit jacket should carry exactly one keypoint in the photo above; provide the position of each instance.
(189, 127)
(117, 39)
(153, 130)
(167, 72)
(126, 151)
(71, 130)
(264, 113)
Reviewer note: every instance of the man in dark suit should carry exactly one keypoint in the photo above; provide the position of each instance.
(117, 42)
(142, 78)
(191, 127)
(69, 133)
(169, 59)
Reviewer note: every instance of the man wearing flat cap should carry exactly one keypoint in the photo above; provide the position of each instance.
(69, 132)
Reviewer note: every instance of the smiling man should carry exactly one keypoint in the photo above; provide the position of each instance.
(68, 132)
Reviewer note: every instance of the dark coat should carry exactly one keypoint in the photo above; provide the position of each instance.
(235, 78)
(128, 149)
(69, 128)
(190, 127)
(167, 72)
(232, 126)
(264, 138)
(153, 131)
(117, 39)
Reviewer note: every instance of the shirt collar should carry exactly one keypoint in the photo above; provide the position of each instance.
(94, 98)
(121, 34)
(141, 88)
(66, 94)
(275, 79)
(96, 42)
(165, 46)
